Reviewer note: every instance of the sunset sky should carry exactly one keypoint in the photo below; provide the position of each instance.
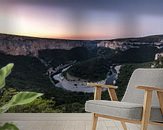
(81, 19)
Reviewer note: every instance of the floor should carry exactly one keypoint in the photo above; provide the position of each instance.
(57, 121)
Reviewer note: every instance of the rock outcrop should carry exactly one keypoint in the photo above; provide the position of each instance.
(21, 45)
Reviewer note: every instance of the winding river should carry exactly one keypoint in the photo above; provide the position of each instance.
(79, 85)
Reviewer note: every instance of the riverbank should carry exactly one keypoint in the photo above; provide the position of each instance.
(76, 84)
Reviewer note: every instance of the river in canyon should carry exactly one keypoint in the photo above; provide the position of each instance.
(76, 84)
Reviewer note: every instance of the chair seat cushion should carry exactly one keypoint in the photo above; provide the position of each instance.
(131, 111)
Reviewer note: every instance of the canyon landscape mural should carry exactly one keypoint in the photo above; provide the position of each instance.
(61, 68)
(58, 46)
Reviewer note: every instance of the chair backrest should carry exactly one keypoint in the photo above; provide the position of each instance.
(143, 77)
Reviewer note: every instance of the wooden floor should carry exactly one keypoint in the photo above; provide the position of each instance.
(57, 121)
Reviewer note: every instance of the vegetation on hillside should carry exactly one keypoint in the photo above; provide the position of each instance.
(125, 74)
(144, 53)
(95, 69)
(30, 74)
(56, 57)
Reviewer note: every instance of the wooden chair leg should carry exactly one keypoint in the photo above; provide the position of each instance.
(113, 97)
(146, 110)
(160, 98)
(94, 122)
(124, 125)
(144, 126)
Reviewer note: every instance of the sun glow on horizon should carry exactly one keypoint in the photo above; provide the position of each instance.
(56, 23)
(63, 23)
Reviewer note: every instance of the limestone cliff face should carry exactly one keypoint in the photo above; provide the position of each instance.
(112, 44)
(20, 45)
(124, 45)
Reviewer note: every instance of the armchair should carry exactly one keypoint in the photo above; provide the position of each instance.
(138, 107)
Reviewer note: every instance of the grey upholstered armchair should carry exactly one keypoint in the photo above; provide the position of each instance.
(141, 104)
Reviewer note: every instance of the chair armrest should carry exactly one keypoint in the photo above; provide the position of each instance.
(148, 97)
(148, 88)
(102, 85)
(98, 90)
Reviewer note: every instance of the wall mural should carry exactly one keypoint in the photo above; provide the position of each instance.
(57, 47)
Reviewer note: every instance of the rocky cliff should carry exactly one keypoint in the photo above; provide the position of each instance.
(21, 45)
(126, 43)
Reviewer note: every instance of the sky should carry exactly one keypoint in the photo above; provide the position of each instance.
(82, 19)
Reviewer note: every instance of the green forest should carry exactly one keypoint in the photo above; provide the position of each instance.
(30, 74)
